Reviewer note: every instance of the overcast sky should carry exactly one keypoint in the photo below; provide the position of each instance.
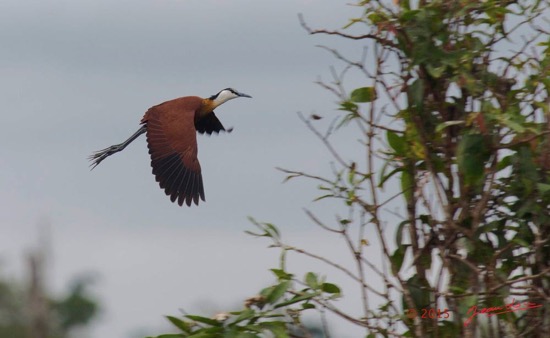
(77, 76)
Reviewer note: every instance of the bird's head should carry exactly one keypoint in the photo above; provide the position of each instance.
(225, 95)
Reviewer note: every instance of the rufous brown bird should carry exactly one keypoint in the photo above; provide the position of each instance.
(172, 141)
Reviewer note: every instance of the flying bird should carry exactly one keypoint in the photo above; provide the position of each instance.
(172, 141)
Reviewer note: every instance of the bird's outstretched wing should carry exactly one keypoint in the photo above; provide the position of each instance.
(172, 143)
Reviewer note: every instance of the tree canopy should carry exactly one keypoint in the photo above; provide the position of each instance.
(454, 127)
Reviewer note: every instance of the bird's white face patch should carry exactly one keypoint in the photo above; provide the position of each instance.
(224, 96)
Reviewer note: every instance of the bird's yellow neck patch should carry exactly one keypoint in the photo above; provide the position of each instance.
(207, 107)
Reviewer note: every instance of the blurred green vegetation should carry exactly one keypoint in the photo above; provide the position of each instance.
(76, 308)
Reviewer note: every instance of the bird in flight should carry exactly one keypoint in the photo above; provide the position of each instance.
(172, 141)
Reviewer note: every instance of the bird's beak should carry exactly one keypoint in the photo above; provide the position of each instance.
(244, 95)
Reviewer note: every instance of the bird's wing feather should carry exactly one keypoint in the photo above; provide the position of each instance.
(172, 143)
(209, 124)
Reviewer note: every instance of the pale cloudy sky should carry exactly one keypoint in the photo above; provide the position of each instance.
(77, 76)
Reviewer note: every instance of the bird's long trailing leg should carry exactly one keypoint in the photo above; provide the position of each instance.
(100, 155)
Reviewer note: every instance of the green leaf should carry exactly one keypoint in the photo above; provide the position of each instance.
(425, 261)
(472, 154)
(397, 143)
(311, 280)
(419, 289)
(277, 292)
(345, 221)
(204, 320)
(235, 334)
(281, 274)
(407, 185)
(446, 124)
(505, 162)
(436, 72)
(543, 187)
(376, 18)
(244, 315)
(352, 22)
(397, 259)
(399, 233)
(461, 275)
(415, 93)
(348, 106)
(211, 332)
(297, 299)
(272, 230)
(180, 324)
(323, 197)
(448, 328)
(383, 179)
(515, 126)
(278, 329)
(266, 291)
(526, 168)
(330, 288)
(306, 306)
(364, 94)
